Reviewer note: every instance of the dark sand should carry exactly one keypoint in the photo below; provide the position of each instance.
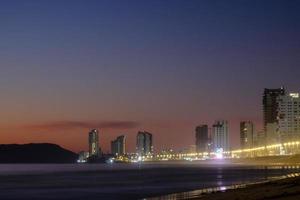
(286, 189)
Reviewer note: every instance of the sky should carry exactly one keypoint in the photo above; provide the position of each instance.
(68, 66)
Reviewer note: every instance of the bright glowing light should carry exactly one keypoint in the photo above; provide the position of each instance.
(294, 95)
(223, 188)
(140, 158)
(219, 153)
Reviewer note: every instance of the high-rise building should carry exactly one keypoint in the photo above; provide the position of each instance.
(220, 135)
(259, 138)
(289, 117)
(247, 134)
(118, 145)
(272, 134)
(94, 149)
(201, 138)
(144, 145)
(270, 105)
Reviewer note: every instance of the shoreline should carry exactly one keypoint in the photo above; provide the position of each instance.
(283, 189)
(274, 188)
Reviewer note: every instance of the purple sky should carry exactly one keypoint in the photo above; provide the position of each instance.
(124, 66)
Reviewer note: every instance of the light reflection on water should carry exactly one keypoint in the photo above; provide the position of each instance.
(132, 181)
(205, 191)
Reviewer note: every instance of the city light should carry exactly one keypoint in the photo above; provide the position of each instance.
(215, 145)
(288, 148)
(219, 153)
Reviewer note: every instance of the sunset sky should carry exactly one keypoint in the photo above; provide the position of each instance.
(122, 66)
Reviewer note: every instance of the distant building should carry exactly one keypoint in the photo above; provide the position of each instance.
(167, 152)
(83, 156)
(118, 145)
(220, 135)
(94, 149)
(202, 138)
(272, 134)
(246, 134)
(191, 149)
(144, 143)
(259, 138)
(188, 150)
(210, 144)
(289, 117)
(270, 105)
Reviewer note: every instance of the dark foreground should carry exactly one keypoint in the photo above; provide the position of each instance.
(119, 181)
(286, 189)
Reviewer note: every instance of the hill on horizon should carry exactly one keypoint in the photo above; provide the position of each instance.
(36, 153)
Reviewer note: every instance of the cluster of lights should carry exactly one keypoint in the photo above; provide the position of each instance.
(287, 144)
(81, 161)
(218, 154)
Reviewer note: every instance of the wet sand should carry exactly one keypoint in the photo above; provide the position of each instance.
(286, 189)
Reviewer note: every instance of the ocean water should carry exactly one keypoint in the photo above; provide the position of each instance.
(124, 181)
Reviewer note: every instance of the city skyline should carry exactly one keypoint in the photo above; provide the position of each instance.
(162, 67)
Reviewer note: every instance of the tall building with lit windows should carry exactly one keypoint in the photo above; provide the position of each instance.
(144, 144)
(247, 134)
(289, 117)
(220, 135)
(202, 138)
(94, 149)
(270, 105)
(118, 145)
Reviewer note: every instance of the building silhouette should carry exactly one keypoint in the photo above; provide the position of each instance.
(94, 149)
(144, 143)
(201, 138)
(289, 117)
(259, 138)
(220, 135)
(247, 134)
(118, 146)
(83, 156)
(270, 105)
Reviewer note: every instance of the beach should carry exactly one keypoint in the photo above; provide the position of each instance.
(285, 189)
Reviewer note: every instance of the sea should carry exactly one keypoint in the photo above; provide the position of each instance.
(157, 180)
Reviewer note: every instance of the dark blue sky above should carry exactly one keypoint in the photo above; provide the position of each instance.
(167, 65)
